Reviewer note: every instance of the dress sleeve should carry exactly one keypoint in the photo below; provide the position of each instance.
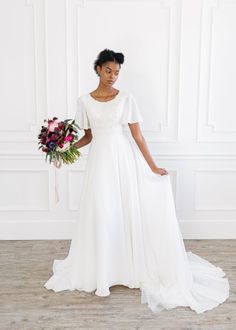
(81, 117)
(131, 112)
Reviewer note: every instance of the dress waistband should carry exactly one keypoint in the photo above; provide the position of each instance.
(101, 131)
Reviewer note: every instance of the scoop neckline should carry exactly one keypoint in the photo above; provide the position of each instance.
(114, 98)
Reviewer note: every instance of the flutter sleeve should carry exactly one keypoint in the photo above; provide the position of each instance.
(81, 116)
(131, 112)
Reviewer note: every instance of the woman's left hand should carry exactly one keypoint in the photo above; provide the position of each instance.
(159, 170)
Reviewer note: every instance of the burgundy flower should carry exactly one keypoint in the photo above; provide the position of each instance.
(61, 125)
(54, 137)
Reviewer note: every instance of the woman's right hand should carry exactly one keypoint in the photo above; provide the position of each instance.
(159, 170)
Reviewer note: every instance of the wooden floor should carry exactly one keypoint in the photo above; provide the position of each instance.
(26, 304)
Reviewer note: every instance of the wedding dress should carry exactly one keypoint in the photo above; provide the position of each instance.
(127, 232)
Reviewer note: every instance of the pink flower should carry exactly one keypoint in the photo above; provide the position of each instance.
(68, 138)
(52, 125)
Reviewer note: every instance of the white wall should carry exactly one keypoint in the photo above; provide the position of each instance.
(180, 65)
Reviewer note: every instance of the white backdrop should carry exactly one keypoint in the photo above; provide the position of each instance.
(180, 65)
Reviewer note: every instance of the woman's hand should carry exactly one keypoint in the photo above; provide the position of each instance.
(159, 170)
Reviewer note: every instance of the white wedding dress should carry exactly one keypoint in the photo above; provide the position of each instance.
(127, 232)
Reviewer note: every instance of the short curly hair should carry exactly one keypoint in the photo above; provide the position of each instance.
(108, 55)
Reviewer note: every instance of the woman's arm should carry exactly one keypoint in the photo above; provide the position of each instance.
(140, 140)
(86, 139)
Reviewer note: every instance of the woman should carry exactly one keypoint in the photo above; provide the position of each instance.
(127, 232)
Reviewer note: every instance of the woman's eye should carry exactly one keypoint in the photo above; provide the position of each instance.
(110, 72)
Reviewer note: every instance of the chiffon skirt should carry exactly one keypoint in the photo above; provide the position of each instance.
(127, 234)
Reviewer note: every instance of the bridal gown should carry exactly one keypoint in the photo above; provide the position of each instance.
(127, 232)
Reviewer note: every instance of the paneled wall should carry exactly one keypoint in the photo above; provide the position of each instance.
(180, 65)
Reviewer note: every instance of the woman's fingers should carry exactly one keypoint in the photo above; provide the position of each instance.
(163, 171)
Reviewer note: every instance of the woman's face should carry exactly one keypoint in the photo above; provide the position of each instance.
(108, 72)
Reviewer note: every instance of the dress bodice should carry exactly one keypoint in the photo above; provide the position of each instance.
(100, 115)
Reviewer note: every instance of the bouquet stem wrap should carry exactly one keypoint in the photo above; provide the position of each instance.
(57, 164)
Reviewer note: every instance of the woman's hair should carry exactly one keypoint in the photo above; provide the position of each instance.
(108, 55)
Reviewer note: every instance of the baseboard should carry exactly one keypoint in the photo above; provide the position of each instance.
(29, 230)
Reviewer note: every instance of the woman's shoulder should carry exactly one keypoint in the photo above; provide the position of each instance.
(82, 96)
(128, 94)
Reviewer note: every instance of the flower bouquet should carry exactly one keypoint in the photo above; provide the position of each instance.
(57, 140)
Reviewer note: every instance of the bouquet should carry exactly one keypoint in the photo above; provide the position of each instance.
(57, 140)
